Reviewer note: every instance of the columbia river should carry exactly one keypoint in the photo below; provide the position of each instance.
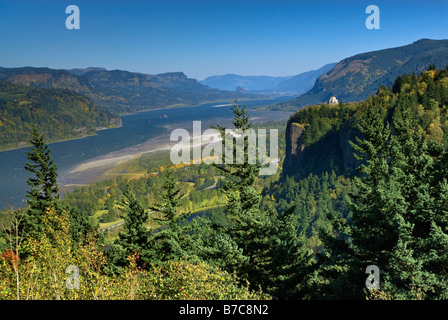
(80, 160)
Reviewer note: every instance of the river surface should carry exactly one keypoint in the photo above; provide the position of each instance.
(140, 132)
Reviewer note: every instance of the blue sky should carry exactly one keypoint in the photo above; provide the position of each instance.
(204, 38)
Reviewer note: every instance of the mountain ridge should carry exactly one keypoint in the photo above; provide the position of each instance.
(356, 77)
(122, 91)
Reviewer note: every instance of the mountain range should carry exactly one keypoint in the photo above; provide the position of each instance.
(357, 77)
(42, 95)
(295, 85)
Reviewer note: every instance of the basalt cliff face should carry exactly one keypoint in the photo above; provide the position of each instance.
(318, 137)
(332, 152)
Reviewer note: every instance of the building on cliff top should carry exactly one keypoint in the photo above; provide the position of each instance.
(333, 100)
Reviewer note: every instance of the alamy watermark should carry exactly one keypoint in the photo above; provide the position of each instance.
(373, 20)
(72, 21)
(373, 280)
(250, 146)
(72, 281)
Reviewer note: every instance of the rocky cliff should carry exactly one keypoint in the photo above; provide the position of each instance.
(319, 142)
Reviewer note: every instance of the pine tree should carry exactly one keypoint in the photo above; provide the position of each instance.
(369, 234)
(249, 227)
(44, 188)
(171, 241)
(420, 255)
(135, 238)
(44, 193)
(275, 253)
(399, 216)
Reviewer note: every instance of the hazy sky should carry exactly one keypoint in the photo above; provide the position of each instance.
(204, 38)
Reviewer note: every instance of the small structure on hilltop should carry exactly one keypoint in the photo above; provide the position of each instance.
(333, 100)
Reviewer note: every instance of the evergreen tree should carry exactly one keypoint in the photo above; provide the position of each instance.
(44, 189)
(275, 254)
(367, 238)
(135, 237)
(171, 242)
(44, 193)
(399, 220)
(418, 259)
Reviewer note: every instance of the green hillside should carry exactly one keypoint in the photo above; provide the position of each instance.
(60, 114)
(317, 137)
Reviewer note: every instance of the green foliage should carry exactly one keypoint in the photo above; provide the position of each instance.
(44, 192)
(170, 241)
(58, 114)
(306, 236)
(266, 245)
(44, 188)
(394, 216)
(181, 280)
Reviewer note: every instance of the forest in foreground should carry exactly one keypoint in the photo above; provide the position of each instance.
(301, 234)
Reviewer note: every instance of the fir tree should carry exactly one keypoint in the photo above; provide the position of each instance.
(135, 238)
(399, 217)
(275, 253)
(171, 240)
(44, 188)
(44, 193)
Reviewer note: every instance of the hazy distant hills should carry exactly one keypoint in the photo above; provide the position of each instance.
(232, 81)
(122, 91)
(357, 77)
(297, 84)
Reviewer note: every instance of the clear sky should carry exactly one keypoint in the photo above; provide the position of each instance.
(204, 38)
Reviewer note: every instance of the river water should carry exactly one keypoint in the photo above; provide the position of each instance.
(142, 131)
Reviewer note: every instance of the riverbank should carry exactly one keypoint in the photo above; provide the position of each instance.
(101, 168)
(114, 164)
(23, 145)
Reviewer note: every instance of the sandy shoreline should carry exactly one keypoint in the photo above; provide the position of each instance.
(96, 169)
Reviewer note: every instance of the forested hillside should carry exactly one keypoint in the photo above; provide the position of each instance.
(318, 136)
(58, 113)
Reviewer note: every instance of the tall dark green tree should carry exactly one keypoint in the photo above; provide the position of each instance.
(43, 186)
(274, 251)
(417, 260)
(369, 235)
(135, 238)
(397, 220)
(171, 241)
(44, 193)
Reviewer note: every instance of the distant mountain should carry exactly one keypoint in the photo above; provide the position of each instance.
(303, 82)
(297, 84)
(357, 77)
(232, 81)
(123, 91)
(59, 113)
(81, 71)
